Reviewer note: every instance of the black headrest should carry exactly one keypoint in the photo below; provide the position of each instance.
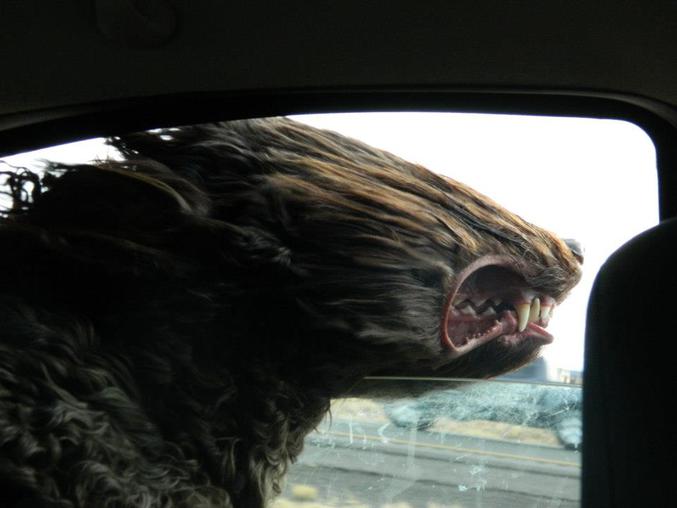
(630, 379)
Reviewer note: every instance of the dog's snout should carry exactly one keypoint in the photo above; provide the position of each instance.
(576, 248)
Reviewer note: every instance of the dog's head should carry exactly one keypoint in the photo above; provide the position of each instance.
(310, 251)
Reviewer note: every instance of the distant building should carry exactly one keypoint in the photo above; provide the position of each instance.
(539, 371)
(574, 377)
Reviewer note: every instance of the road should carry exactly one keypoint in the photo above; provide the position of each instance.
(380, 465)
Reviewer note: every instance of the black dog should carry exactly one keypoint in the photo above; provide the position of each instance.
(173, 325)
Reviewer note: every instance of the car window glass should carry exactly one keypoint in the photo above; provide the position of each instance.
(464, 444)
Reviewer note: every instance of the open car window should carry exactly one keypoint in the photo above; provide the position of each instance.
(515, 440)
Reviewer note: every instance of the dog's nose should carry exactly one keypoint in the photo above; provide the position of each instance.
(575, 247)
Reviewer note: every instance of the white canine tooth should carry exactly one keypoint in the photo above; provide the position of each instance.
(523, 310)
(545, 313)
(535, 310)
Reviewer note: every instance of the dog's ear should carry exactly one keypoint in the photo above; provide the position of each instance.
(228, 161)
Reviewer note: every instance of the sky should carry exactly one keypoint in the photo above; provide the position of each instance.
(588, 179)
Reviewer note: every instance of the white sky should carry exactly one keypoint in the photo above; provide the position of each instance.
(593, 180)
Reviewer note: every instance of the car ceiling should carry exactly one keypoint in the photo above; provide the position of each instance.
(57, 54)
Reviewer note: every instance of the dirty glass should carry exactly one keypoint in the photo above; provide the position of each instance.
(465, 444)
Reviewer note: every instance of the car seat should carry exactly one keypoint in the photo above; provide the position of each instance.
(629, 454)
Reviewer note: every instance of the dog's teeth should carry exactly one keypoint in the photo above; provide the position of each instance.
(468, 311)
(489, 311)
(546, 313)
(523, 310)
(535, 310)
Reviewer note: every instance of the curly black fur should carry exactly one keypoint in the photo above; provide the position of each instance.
(174, 324)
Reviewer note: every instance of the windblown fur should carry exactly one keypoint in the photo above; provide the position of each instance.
(174, 324)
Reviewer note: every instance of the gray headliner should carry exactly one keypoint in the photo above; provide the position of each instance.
(53, 54)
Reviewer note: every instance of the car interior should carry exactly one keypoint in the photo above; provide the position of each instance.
(85, 69)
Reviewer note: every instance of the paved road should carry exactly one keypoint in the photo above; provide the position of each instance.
(381, 465)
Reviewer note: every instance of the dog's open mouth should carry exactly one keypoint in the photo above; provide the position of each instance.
(492, 300)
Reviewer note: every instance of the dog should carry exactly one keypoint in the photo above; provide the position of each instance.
(174, 323)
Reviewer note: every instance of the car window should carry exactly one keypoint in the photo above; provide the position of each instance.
(515, 440)
(588, 179)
